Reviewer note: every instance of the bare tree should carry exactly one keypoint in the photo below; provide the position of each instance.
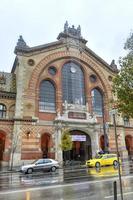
(15, 138)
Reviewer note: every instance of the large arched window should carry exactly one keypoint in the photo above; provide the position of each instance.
(2, 111)
(97, 102)
(47, 96)
(73, 84)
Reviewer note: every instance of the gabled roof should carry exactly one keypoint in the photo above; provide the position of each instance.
(26, 49)
(64, 38)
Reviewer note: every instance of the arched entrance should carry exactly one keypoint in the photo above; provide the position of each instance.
(81, 149)
(102, 142)
(2, 145)
(129, 145)
(45, 142)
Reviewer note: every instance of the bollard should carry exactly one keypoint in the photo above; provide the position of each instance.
(115, 190)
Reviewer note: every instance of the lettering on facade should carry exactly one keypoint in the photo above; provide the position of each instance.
(76, 115)
(81, 138)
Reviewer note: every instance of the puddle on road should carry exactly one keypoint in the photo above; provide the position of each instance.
(103, 171)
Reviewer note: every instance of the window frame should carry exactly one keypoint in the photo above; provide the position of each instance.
(73, 83)
(47, 104)
(3, 111)
(101, 107)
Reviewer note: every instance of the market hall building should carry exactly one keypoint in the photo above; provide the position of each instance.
(54, 87)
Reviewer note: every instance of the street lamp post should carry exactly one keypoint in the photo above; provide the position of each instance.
(104, 129)
(113, 112)
(105, 138)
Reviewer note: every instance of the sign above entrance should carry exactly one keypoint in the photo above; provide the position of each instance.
(76, 115)
(81, 138)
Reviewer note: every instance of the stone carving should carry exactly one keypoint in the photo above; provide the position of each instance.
(72, 30)
(8, 82)
(113, 65)
(79, 111)
(66, 27)
(29, 105)
(72, 36)
(65, 105)
(21, 42)
(79, 31)
(2, 79)
(58, 116)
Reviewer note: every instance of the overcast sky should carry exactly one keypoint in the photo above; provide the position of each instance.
(104, 23)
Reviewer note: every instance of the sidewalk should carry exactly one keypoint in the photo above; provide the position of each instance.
(72, 166)
(8, 170)
(68, 165)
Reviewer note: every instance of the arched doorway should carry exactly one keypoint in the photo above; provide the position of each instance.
(81, 149)
(102, 142)
(129, 145)
(2, 145)
(45, 142)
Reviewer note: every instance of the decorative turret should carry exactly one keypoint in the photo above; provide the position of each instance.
(21, 45)
(71, 32)
(113, 65)
(2, 78)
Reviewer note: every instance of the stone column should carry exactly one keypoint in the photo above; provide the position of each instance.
(20, 88)
(123, 145)
(58, 150)
(94, 140)
(15, 159)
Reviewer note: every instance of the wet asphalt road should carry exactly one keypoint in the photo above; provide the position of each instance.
(72, 184)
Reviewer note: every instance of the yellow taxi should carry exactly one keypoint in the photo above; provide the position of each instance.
(103, 160)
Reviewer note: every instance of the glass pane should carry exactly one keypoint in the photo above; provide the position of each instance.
(97, 102)
(47, 96)
(2, 111)
(73, 84)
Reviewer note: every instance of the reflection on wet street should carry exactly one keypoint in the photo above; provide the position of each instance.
(88, 190)
(28, 195)
(104, 171)
(69, 183)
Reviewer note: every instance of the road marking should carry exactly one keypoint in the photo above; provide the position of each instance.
(51, 187)
(28, 195)
(109, 197)
(60, 185)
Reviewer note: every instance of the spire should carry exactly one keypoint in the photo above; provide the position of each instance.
(79, 31)
(66, 27)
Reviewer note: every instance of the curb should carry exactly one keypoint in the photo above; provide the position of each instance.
(9, 171)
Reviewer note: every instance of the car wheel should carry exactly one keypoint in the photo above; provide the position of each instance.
(29, 171)
(97, 164)
(53, 169)
(115, 163)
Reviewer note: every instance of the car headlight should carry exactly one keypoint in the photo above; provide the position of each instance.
(23, 168)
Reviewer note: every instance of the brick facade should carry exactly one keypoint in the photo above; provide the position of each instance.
(26, 127)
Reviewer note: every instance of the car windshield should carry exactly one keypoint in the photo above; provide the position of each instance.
(98, 156)
(34, 161)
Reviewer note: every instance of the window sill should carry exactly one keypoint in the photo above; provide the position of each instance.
(47, 111)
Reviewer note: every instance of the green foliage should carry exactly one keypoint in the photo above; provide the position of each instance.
(129, 43)
(66, 141)
(123, 82)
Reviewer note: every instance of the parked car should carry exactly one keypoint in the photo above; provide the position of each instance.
(46, 164)
(103, 160)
